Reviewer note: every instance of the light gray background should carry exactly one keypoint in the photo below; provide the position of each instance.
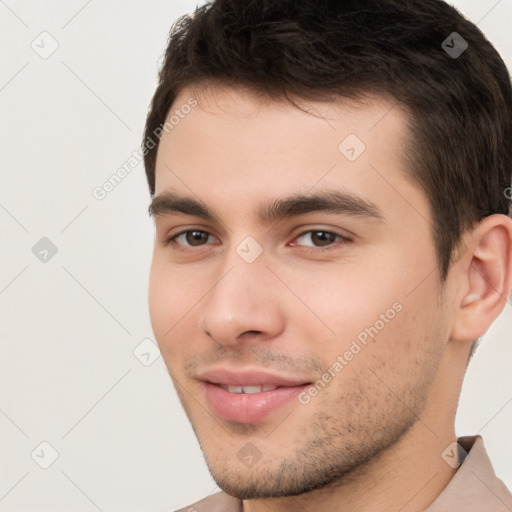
(69, 327)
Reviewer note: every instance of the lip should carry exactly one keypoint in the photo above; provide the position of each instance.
(248, 408)
(248, 378)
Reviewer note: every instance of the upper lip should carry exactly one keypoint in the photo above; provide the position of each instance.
(246, 377)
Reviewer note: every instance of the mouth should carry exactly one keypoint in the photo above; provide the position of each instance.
(248, 390)
(248, 396)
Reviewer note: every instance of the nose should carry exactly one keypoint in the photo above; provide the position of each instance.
(242, 304)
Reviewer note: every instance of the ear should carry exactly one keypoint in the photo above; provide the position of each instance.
(486, 274)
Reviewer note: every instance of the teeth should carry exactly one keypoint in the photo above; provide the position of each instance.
(249, 389)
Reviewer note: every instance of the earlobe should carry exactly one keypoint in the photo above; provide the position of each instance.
(488, 278)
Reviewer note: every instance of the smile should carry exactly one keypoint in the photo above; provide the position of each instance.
(248, 390)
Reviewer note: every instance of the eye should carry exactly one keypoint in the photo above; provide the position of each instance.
(191, 238)
(319, 239)
(314, 240)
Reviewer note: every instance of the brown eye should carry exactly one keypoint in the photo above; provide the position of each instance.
(321, 238)
(318, 238)
(196, 237)
(191, 238)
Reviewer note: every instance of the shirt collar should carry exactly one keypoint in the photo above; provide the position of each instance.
(475, 486)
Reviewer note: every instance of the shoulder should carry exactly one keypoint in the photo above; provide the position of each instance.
(218, 502)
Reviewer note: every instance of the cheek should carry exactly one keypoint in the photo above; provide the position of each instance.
(373, 309)
(171, 299)
(387, 366)
(343, 300)
(157, 299)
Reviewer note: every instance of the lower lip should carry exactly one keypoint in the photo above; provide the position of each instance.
(248, 408)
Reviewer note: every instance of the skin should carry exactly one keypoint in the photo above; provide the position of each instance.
(373, 438)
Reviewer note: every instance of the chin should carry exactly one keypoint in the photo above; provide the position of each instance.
(289, 478)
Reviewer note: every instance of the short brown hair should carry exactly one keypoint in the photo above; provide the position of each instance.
(460, 105)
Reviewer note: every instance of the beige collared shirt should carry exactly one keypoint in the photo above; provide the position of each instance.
(474, 488)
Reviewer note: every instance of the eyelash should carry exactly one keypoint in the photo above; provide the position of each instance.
(172, 240)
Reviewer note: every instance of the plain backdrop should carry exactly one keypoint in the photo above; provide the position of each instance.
(78, 395)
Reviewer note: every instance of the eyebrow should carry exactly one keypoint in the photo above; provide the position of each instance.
(338, 202)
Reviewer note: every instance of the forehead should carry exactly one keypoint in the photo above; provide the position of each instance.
(233, 143)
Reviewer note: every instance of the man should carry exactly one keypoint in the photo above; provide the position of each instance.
(330, 187)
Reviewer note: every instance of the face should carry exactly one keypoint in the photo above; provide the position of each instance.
(294, 289)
